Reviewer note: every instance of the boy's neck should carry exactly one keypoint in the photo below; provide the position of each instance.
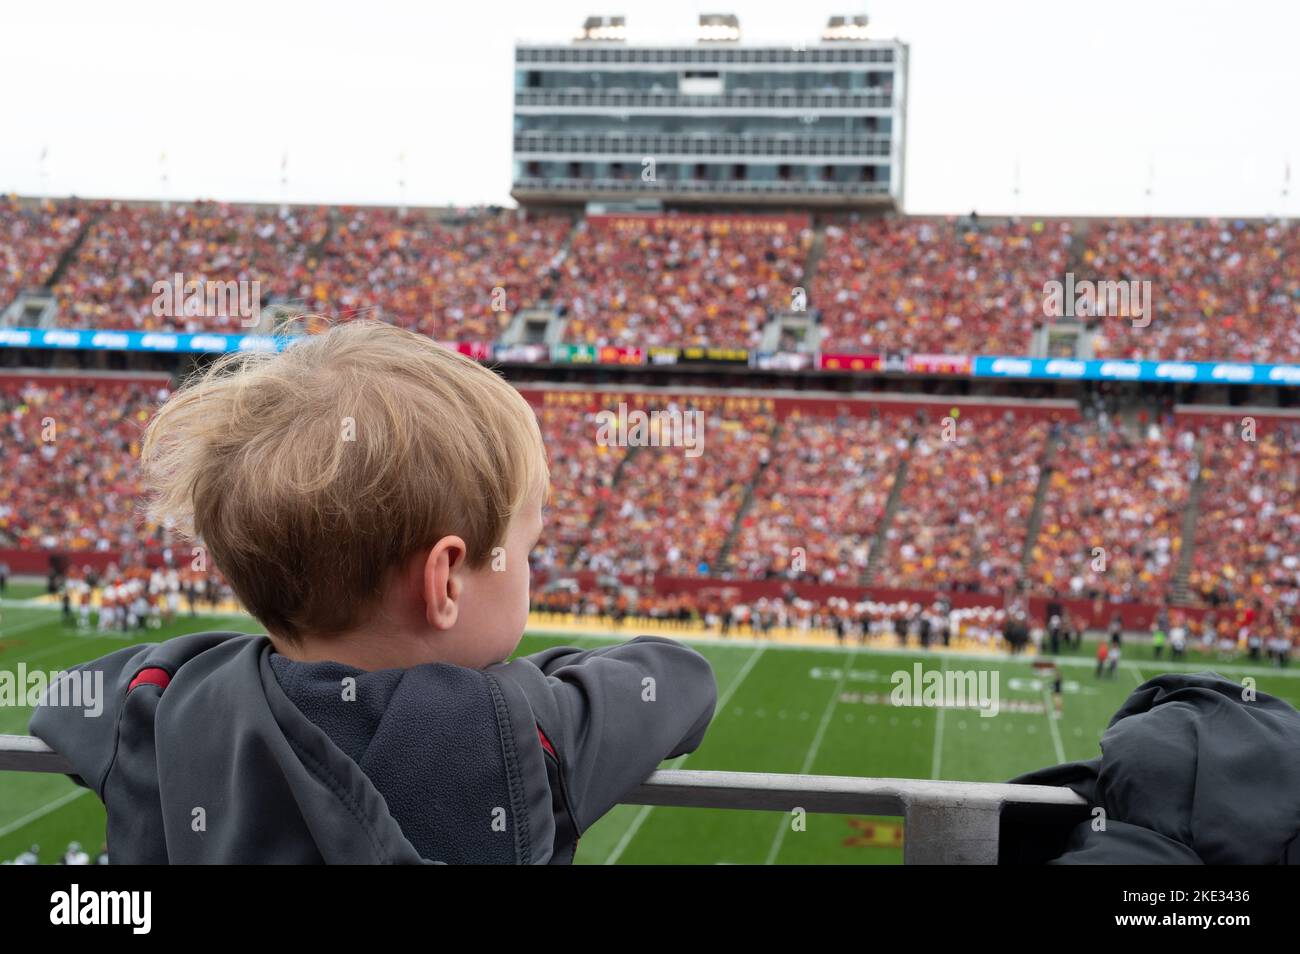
(368, 653)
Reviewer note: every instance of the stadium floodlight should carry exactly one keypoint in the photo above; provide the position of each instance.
(603, 29)
(842, 28)
(718, 28)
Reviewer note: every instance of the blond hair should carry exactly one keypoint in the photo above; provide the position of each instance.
(310, 474)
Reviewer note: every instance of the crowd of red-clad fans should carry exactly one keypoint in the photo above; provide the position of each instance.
(1249, 523)
(1113, 511)
(68, 465)
(111, 281)
(819, 503)
(798, 499)
(33, 239)
(673, 512)
(582, 478)
(1220, 289)
(936, 286)
(701, 282)
(965, 505)
(453, 280)
(460, 277)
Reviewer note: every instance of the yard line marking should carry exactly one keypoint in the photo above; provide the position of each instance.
(676, 763)
(1049, 707)
(809, 757)
(1137, 674)
(45, 651)
(938, 733)
(44, 810)
(7, 631)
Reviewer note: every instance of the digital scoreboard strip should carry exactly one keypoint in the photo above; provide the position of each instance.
(977, 366)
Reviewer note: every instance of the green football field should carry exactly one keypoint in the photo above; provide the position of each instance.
(780, 709)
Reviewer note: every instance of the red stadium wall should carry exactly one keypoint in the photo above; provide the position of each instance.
(37, 562)
(782, 406)
(1134, 616)
(108, 380)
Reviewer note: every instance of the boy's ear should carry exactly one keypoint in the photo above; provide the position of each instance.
(442, 582)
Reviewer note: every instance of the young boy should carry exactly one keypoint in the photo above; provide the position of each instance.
(372, 499)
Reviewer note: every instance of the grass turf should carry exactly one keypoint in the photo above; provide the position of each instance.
(781, 709)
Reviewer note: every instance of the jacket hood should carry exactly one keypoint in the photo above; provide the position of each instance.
(201, 758)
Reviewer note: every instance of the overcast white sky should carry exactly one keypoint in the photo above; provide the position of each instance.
(1093, 101)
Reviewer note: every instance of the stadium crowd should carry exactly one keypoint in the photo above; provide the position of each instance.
(68, 465)
(674, 513)
(129, 248)
(582, 478)
(964, 508)
(932, 286)
(452, 280)
(1249, 518)
(1221, 290)
(439, 277)
(707, 282)
(33, 239)
(1112, 516)
(798, 499)
(819, 504)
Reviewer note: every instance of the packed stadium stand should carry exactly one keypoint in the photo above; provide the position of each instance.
(109, 282)
(796, 497)
(965, 506)
(936, 287)
(83, 439)
(34, 237)
(825, 493)
(1112, 516)
(1249, 517)
(431, 276)
(672, 513)
(814, 497)
(1223, 290)
(697, 280)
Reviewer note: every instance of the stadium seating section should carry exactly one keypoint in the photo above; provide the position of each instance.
(932, 287)
(990, 500)
(707, 284)
(83, 441)
(1221, 290)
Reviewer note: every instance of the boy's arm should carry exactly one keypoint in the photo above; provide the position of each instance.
(611, 715)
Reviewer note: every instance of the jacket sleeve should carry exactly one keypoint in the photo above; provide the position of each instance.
(611, 715)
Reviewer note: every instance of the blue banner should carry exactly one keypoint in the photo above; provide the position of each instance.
(1062, 369)
(1200, 372)
(158, 341)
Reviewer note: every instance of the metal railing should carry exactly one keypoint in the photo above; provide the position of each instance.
(950, 823)
(675, 187)
(740, 100)
(828, 55)
(667, 145)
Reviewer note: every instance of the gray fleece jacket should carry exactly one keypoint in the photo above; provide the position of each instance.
(212, 748)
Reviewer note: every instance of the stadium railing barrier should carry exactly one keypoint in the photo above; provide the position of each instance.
(949, 823)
